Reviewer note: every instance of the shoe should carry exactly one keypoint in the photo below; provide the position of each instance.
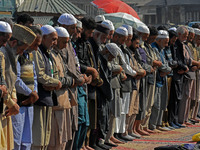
(193, 120)
(135, 135)
(174, 126)
(110, 144)
(117, 137)
(127, 137)
(170, 127)
(97, 147)
(163, 129)
(180, 125)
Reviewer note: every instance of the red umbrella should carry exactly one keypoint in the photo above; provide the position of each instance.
(113, 6)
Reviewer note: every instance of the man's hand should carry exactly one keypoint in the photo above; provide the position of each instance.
(33, 97)
(4, 90)
(152, 69)
(13, 110)
(124, 77)
(88, 79)
(181, 71)
(157, 63)
(144, 74)
(194, 68)
(118, 72)
(59, 85)
(187, 69)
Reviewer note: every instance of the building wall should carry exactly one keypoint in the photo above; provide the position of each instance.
(7, 8)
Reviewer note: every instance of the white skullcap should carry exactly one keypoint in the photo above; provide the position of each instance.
(47, 29)
(143, 29)
(5, 27)
(162, 34)
(79, 24)
(121, 30)
(113, 48)
(67, 19)
(129, 28)
(197, 31)
(62, 32)
(99, 18)
(108, 24)
(172, 29)
(190, 29)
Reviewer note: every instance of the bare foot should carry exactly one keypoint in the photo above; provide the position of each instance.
(142, 132)
(113, 139)
(149, 131)
(89, 148)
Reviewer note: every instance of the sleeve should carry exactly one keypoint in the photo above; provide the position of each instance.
(20, 86)
(40, 70)
(127, 68)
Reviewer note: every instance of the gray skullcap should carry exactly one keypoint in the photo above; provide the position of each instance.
(173, 29)
(121, 30)
(79, 24)
(99, 18)
(190, 29)
(129, 28)
(5, 27)
(197, 31)
(108, 24)
(113, 48)
(162, 34)
(143, 29)
(67, 19)
(47, 29)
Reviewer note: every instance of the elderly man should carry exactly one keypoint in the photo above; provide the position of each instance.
(120, 37)
(176, 92)
(188, 82)
(69, 22)
(60, 123)
(143, 33)
(161, 97)
(6, 139)
(15, 46)
(26, 87)
(47, 82)
(152, 60)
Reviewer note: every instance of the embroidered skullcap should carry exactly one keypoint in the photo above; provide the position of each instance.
(197, 31)
(108, 24)
(67, 19)
(62, 32)
(162, 34)
(129, 28)
(121, 30)
(79, 24)
(47, 29)
(23, 34)
(5, 27)
(99, 18)
(113, 48)
(143, 29)
(173, 29)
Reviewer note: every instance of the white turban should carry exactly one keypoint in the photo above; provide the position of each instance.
(197, 31)
(67, 19)
(79, 24)
(113, 48)
(129, 28)
(47, 29)
(143, 29)
(62, 32)
(173, 29)
(162, 34)
(5, 27)
(108, 24)
(99, 18)
(121, 30)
